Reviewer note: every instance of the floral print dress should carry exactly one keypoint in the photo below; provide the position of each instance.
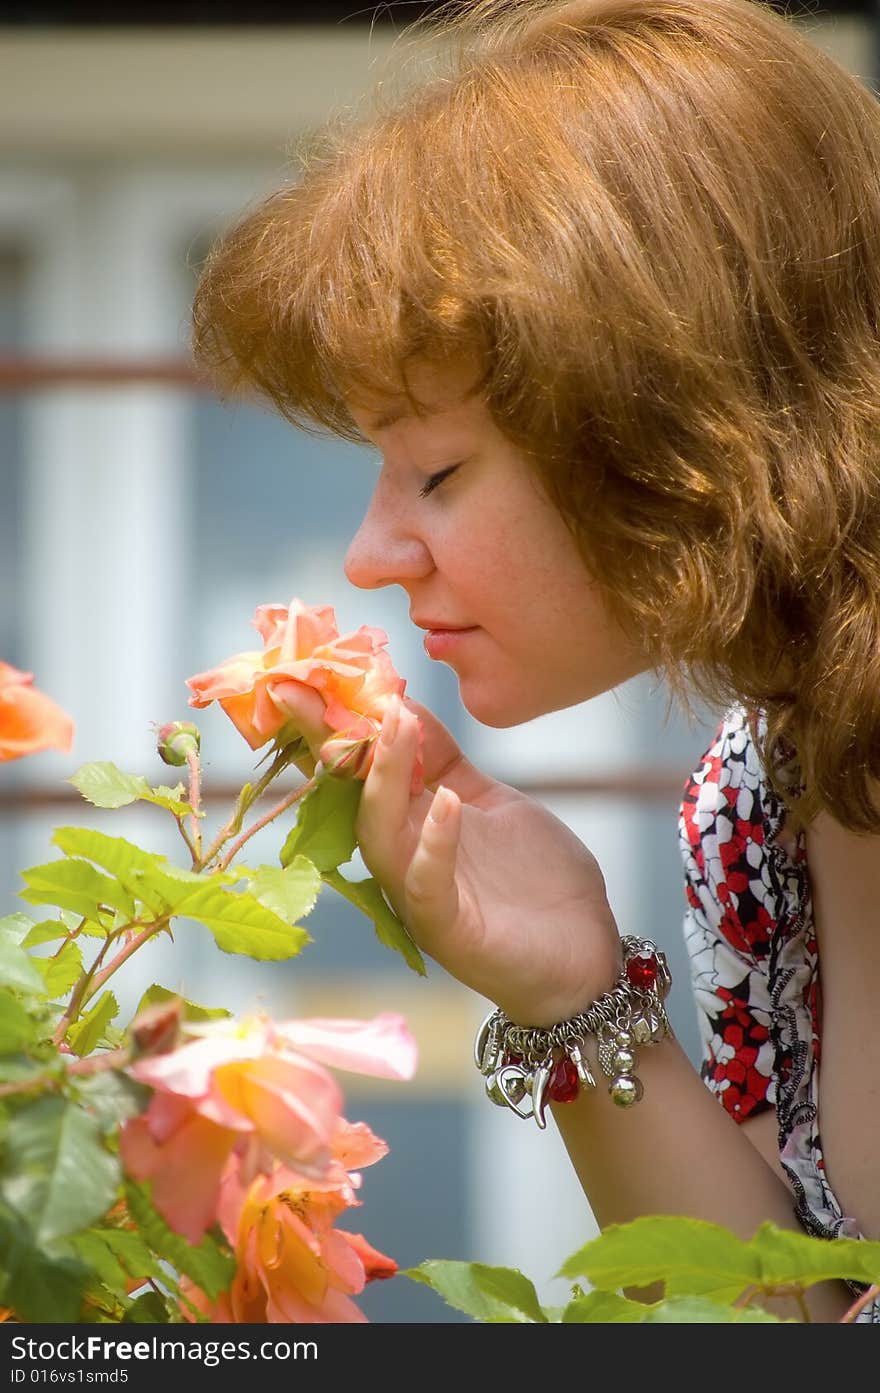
(752, 945)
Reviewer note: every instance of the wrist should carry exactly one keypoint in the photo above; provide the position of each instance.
(526, 1067)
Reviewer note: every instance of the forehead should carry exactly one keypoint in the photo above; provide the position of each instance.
(436, 395)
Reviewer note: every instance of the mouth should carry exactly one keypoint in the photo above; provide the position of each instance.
(442, 642)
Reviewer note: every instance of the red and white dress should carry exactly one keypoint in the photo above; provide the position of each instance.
(752, 944)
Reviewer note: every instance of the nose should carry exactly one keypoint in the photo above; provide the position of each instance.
(386, 549)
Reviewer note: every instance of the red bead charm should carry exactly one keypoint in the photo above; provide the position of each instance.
(562, 1085)
(642, 969)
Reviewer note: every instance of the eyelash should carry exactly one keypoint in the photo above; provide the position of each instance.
(435, 480)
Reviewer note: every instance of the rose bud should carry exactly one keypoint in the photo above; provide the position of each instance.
(347, 759)
(177, 740)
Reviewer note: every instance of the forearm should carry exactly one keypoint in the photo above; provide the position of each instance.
(678, 1152)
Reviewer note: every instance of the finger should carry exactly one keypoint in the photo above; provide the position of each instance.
(442, 758)
(303, 707)
(430, 887)
(385, 801)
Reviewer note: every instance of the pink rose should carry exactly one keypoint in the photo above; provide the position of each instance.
(254, 1091)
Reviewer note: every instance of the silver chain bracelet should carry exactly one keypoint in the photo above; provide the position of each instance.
(525, 1067)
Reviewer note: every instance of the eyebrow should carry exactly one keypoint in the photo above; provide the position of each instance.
(389, 419)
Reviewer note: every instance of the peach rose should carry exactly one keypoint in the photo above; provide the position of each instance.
(29, 721)
(292, 1264)
(308, 679)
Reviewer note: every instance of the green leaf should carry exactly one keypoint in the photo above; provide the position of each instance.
(111, 1098)
(38, 1288)
(61, 970)
(240, 924)
(171, 798)
(17, 968)
(85, 1034)
(108, 787)
(56, 1172)
(146, 1309)
(14, 928)
(290, 891)
(367, 896)
(142, 873)
(92, 1250)
(324, 829)
(697, 1258)
(691, 1310)
(74, 884)
(17, 1027)
(492, 1294)
(50, 930)
(210, 1263)
(603, 1308)
(156, 995)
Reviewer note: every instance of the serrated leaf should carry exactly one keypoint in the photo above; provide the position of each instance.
(289, 891)
(171, 798)
(690, 1310)
(367, 896)
(17, 1027)
(492, 1294)
(17, 970)
(51, 930)
(603, 1308)
(146, 1309)
(61, 970)
(143, 874)
(106, 786)
(324, 829)
(74, 884)
(84, 1035)
(92, 1250)
(111, 1097)
(156, 995)
(697, 1258)
(38, 1288)
(56, 1171)
(210, 1264)
(14, 928)
(240, 924)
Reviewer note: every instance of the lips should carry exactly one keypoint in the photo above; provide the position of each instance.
(436, 626)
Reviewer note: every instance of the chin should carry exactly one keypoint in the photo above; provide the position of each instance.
(498, 711)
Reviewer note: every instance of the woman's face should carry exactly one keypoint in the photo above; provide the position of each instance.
(458, 519)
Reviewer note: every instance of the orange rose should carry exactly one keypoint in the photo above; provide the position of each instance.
(308, 679)
(29, 721)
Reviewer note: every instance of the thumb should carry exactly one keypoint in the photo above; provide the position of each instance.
(430, 888)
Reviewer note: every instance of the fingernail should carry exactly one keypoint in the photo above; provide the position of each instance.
(440, 805)
(390, 721)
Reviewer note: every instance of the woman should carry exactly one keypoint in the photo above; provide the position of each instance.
(605, 292)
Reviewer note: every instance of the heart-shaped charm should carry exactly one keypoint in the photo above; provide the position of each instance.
(514, 1083)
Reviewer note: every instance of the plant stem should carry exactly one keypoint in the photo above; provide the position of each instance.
(189, 843)
(281, 760)
(91, 981)
(81, 1068)
(864, 1300)
(264, 821)
(195, 799)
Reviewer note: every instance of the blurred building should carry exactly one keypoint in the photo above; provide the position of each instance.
(142, 522)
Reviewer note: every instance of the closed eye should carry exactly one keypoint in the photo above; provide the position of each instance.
(435, 479)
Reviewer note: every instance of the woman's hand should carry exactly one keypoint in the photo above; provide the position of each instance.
(489, 883)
